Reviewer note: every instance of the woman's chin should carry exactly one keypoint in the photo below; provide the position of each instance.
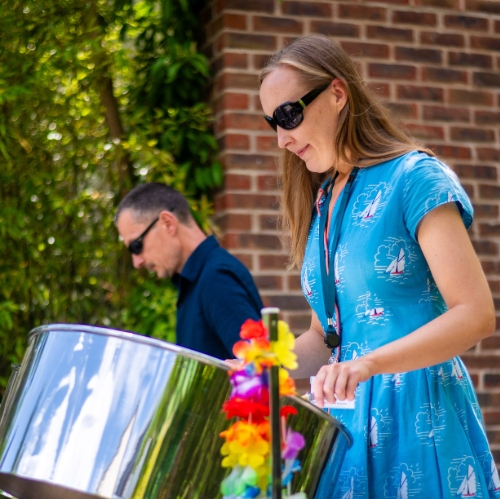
(315, 167)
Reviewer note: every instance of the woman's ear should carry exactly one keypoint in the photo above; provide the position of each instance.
(339, 93)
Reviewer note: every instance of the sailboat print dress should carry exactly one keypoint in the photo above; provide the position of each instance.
(418, 432)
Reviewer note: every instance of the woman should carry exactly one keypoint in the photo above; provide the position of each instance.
(398, 293)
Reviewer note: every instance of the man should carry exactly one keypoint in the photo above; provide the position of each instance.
(216, 292)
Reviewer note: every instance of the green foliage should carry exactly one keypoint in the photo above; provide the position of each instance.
(64, 166)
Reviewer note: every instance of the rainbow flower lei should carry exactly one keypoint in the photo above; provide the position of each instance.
(247, 445)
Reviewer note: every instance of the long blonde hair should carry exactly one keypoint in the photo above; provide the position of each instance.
(365, 134)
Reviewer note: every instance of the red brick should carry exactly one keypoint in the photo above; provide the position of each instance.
(491, 229)
(234, 221)
(451, 152)
(466, 22)
(483, 79)
(245, 258)
(485, 43)
(389, 34)
(380, 89)
(491, 417)
(483, 6)
(403, 110)
(229, 21)
(414, 18)
(494, 285)
(488, 248)
(242, 121)
(288, 302)
(260, 61)
(470, 98)
(412, 92)
(418, 55)
(443, 75)
(277, 25)
(497, 26)
(234, 141)
(266, 144)
(489, 192)
(254, 5)
(491, 267)
(308, 8)
(300, 323)
(247, 41)
(473, 60)
(350, 11)
(248, 201)
(267, 182)
(268, 282)
(397, 2)
(233, 161)
(441, 4)
(444, 39)
(441, 113)
(493, 381)
(425, 132)
(231, 100)
(293, 282)
(392, 71)
(229, 60)
(273, 262)
(472, 135)
(268, 222)
(237, 81)
(373, 50)
(486, 211)
(472, 171)
(488, 154)
(487, 117)
(233, 181)
(259, 241)
(330, 28)
(481, 361)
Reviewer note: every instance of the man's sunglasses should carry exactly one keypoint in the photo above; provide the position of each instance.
(135, 247)
(290, 114)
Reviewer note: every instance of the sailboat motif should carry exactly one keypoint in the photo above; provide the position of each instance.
(306, 286)
(431, 433)
(354, 355)
(440, 372)
(456, 370)
(397, 379)
(336, 269)
(373, 432)
(375, 312)
(494, 480)
(450, 197)
(468, 486)
(397, 266)
(350, 493)
(370, 210)
(403, 487)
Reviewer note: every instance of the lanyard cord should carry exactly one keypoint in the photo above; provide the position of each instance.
(333, 336)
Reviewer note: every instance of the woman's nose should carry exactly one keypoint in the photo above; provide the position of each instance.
(283, 137)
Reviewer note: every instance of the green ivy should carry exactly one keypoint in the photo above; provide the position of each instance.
(64, 167)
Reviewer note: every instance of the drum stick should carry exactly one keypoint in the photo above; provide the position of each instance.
(270, 319)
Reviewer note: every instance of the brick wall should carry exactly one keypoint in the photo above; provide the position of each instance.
(435, 62)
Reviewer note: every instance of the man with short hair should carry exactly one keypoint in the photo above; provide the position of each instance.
(216, 292)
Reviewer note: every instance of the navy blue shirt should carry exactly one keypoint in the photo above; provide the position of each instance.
(216, 296)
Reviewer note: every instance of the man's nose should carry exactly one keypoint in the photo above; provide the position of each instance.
(137, 261)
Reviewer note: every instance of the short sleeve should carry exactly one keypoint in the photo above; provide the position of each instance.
(429, 184)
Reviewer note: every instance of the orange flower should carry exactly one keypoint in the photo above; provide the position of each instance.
(253, 329)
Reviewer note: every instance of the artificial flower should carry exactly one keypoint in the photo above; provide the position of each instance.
(253, 329)
(283, 348)
(287, 385)
(241, 408)
(294, 442)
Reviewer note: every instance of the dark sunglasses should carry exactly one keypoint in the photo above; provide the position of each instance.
(290, 114)
(135, 247)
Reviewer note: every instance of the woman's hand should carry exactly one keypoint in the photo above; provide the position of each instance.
(340, 380)
(234, 364)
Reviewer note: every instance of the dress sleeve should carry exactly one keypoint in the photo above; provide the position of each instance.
(429, 184)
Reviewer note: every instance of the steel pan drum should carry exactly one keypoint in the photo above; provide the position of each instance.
(99, 413)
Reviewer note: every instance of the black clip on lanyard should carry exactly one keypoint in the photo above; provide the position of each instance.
(332, 337)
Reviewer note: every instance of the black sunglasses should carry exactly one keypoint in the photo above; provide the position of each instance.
(290, 114)
(135, 247)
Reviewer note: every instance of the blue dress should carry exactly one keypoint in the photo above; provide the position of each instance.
(413, 432)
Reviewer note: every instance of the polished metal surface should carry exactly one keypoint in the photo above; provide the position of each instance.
(96, 412)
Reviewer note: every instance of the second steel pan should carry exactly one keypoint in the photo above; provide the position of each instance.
(100, 413)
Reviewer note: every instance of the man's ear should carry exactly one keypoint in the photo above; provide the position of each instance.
(169, 221)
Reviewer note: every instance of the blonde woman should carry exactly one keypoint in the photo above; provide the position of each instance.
(378, 228)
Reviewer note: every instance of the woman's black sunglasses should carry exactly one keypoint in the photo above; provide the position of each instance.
(290, 114)
(135, 247)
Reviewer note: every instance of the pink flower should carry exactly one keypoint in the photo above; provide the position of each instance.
(293, 444)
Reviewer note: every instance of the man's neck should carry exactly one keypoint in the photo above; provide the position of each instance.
(191, 236)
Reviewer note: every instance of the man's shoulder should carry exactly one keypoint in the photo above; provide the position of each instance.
(221, 261)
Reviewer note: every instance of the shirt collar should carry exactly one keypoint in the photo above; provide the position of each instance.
(197, 259)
